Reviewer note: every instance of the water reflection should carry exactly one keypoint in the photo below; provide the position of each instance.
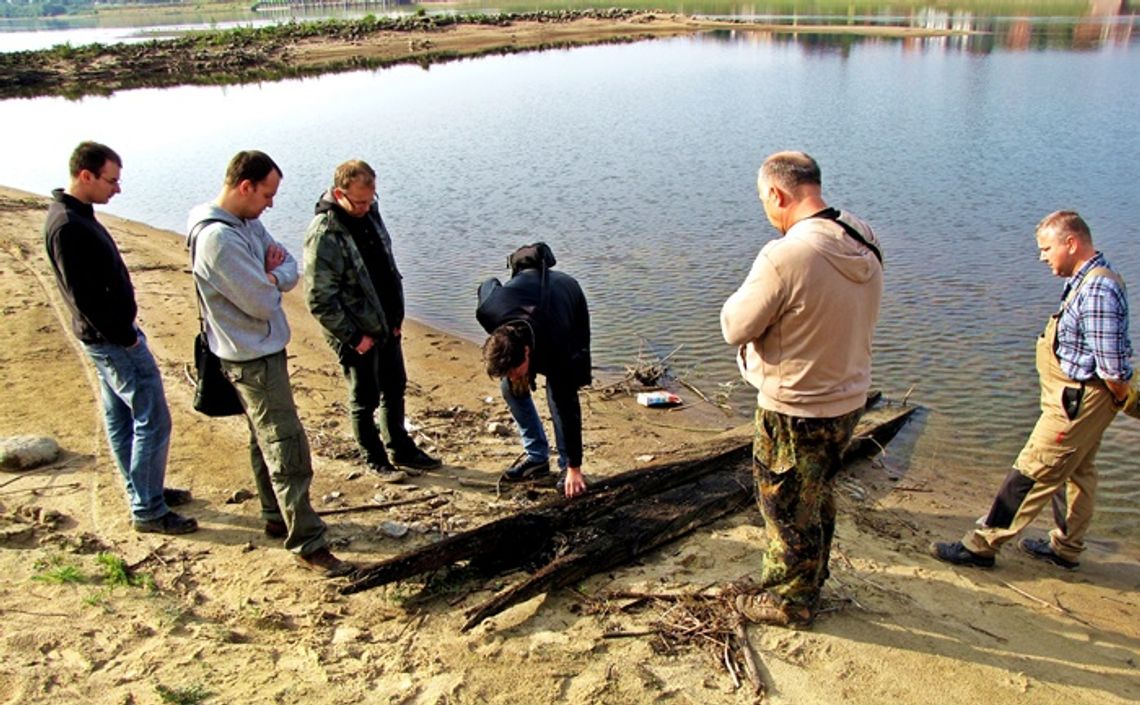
(981, 27)
(637, 164)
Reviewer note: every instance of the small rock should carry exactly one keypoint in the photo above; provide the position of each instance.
(499, 428)
(394, 529)
(645, 458)
(346, 635)
(419, 527)
(27, 452)
(353, 475)
(239, 497)
(488, 400)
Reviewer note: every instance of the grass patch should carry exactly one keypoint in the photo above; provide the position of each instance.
(56, 572)
(191, 695)
(116, 573)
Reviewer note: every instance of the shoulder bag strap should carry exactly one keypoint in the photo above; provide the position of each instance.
(833, 215)
(191, 241)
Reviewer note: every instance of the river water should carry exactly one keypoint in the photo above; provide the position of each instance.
(637, 164)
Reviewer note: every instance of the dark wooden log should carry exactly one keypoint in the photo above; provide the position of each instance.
(521, 536)
(651, 521)
(629, 531)
(620, 518)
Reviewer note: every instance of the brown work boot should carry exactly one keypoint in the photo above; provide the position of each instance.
(276, 529)
(766, 608)
(324, 563)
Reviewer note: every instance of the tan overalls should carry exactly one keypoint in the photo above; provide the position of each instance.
(1060, 451)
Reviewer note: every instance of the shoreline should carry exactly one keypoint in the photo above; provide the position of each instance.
(277, 52)
(230, 614)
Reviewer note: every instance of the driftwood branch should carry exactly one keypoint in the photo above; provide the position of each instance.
(381, 505)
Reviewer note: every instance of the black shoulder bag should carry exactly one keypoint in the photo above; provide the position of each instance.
(214, 395)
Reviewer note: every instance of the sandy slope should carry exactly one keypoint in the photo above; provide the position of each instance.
(233, 617)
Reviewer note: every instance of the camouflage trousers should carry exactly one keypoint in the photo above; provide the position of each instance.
(794, 462)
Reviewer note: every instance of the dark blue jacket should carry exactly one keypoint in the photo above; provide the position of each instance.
(553, 304)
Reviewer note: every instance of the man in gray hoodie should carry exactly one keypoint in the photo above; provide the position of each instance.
(803, 321)
(241, 273)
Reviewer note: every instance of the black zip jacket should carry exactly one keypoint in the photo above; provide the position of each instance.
(90, 272)
(555, 307)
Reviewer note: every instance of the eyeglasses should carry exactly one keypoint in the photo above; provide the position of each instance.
(358, 204)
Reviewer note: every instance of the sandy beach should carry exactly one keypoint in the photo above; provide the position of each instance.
(229, 615)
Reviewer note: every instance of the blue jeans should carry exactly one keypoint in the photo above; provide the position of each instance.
(137, 421)
(525, 414)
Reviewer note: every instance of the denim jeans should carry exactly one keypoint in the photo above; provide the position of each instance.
(137, 421)
(525, 414)
(278, 449)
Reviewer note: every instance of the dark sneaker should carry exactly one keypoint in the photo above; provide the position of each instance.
(1041, 549)
(324, 563)
(169, 523)
(386, 473)
(276, 529)
(176, 497)
(416, 459)
(958, 554)
(526, 470)
(766, 608)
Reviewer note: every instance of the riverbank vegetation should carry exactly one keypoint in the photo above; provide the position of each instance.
(250, 54)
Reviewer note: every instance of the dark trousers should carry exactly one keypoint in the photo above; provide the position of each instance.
(377, 380)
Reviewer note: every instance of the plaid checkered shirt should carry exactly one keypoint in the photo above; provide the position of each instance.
(1092, 332)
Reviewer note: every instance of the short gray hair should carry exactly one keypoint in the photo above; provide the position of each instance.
(790, 170)
(1060, 223)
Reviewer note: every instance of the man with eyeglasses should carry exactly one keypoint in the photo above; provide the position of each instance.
(355, 291)
(97, 289)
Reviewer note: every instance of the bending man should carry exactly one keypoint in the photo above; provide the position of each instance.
(539, 325)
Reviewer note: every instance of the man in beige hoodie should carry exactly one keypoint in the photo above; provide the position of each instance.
(803, 320)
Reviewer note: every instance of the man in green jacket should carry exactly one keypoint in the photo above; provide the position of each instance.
(355, 291)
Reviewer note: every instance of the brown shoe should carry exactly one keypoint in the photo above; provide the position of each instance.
(276, 529)
(766, 608)
(323, 562)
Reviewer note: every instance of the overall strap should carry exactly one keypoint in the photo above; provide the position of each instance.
(1094, 273)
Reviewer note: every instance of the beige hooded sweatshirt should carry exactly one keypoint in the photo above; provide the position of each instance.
(804, 319)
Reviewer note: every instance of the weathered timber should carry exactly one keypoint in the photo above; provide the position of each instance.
(524, 534)
(622, 517)
(628, 531)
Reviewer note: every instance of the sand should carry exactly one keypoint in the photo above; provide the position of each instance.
(231, 616)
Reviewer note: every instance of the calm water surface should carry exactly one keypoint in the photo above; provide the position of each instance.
(637, 164)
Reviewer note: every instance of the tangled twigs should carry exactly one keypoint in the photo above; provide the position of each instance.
(709, 622)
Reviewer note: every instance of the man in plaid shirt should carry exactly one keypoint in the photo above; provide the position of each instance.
(1084, 363)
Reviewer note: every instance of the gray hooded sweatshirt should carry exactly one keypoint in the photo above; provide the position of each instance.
(243, 314)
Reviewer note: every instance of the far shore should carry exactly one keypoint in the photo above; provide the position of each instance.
(244, 55)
